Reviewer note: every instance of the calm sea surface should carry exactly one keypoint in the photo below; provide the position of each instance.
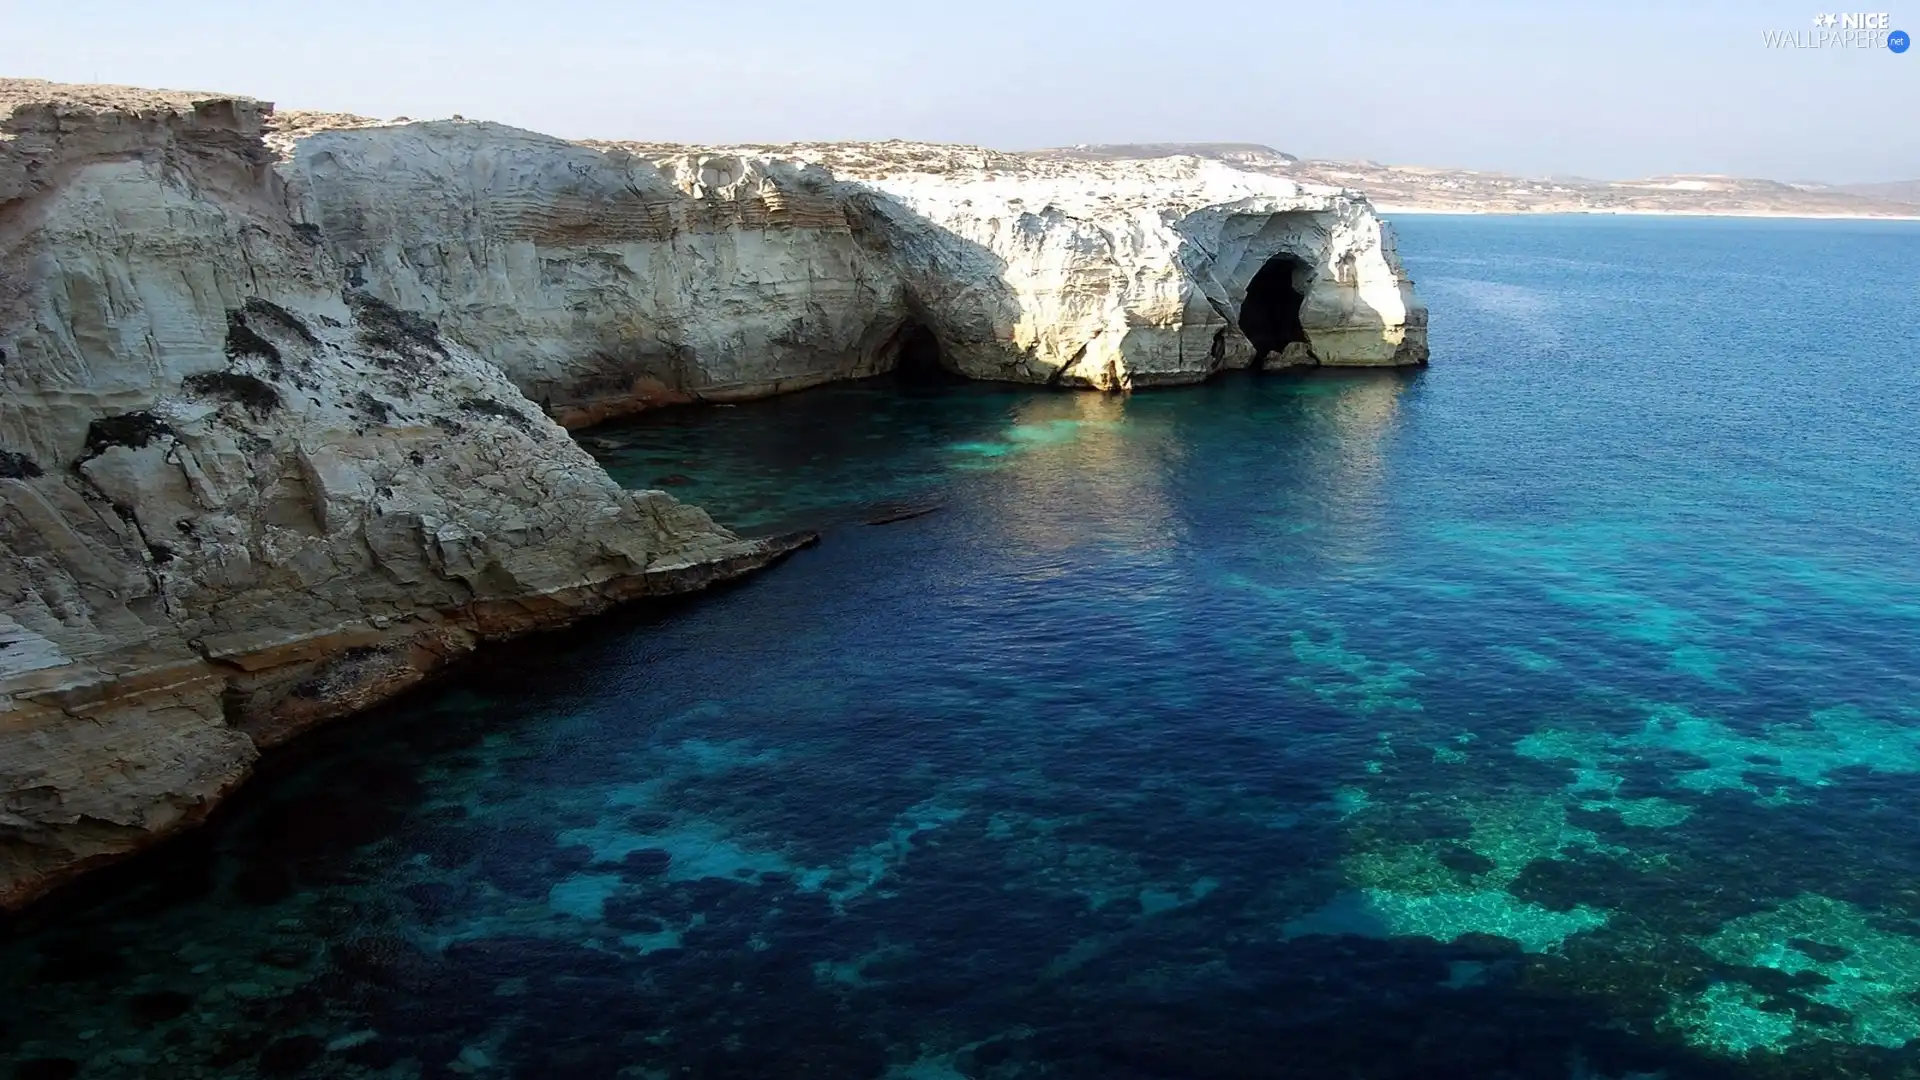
(1553, 712)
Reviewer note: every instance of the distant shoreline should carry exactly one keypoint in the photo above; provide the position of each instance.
(1388, 210)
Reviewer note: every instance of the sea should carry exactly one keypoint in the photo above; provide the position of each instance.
(1549, 712)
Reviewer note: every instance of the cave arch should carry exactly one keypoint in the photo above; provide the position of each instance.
(916, 356)
(1270, 315)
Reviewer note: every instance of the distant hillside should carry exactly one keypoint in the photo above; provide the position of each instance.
(1906, 191)
(1411, 188)
(1244, 155)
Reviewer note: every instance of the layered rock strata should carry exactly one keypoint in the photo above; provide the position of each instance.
(278, 395)
(608, 277)
(237, 499)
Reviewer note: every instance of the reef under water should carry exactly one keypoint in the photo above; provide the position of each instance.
(1552, 712)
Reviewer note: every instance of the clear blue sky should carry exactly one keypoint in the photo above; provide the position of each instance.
(1604, 89)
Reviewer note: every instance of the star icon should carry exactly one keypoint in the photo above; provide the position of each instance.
(1830, 20)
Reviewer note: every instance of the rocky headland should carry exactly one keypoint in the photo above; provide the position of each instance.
(283, 397)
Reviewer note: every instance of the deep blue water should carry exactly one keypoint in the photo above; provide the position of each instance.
(1552, 712)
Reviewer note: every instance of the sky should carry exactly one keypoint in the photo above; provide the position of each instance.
(1553, 87)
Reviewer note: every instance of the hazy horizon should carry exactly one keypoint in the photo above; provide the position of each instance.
(1590, 89)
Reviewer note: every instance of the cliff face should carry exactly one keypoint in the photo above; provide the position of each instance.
(596, 278)
(236, 499)
(611, 277)
(1141, 273)
(277, 407)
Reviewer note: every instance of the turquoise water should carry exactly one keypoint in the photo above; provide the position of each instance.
(1552, 712)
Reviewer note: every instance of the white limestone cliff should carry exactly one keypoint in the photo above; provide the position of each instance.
(610, 277)
(234, 500)
(278, 395)
(1131, 274)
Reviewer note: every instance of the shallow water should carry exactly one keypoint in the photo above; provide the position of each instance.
(1554, 712)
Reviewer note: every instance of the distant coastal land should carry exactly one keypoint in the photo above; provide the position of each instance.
(1416, 189)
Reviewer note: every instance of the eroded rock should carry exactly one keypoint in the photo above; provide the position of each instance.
(239, 500)
(605, 278)
(278, 399)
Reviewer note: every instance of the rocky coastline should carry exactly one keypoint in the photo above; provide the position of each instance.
(284, 398)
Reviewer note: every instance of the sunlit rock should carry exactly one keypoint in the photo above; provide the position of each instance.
(281, 422)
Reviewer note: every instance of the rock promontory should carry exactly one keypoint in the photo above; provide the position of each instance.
(282, 397)
(608, 277)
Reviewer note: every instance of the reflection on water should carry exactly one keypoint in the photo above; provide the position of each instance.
(1108, 469)
(1549, 713)
(1361, 411)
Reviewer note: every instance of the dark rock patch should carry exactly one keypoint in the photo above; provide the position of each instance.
(382, 959)
(132, 430)
(263, 883)
(508, 956)
(404, 333)
(290, 1055)
(324, 825)
(489, 407)
(49, 1068)
(1650, 772)
(1465, 860)
(69, 960)
(286, 957)
(890, 514)
(345, 670)
(1419, 828)
(260, 398)
(433, 899)
(628, 914)
(242, 340)
(571, 859)
(1597, 881)
(17, 466)
(448, 847)
(525, 862)
(236, 1047)
(377, 1055)
(377, 410)
(280, 317)
(1825, 954)
(645, 863)
(159, 1006)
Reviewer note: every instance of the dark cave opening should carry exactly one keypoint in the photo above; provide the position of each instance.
(917, 357)
(1270, 317)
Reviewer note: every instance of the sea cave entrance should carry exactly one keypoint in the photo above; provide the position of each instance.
(917, 357)
(1270, 317)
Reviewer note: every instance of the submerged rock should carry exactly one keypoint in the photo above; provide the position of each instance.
(887, 515)
(47, 1069)
(160, 1006)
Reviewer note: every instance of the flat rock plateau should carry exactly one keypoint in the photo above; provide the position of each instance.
(284, 397)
